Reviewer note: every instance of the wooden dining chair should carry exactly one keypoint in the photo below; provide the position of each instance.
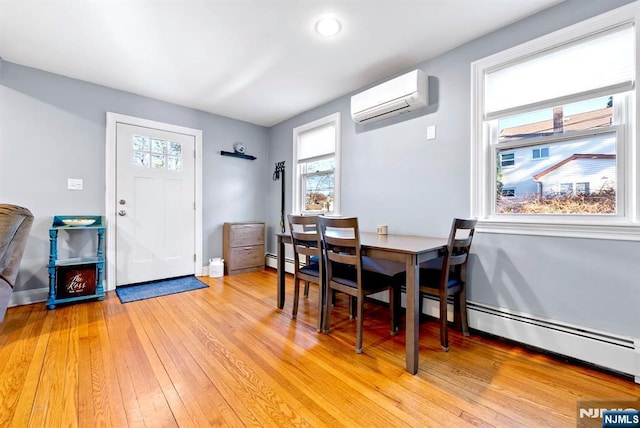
(307, 256)
(347, 273)
(449, 279)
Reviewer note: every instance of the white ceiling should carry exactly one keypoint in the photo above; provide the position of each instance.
(255, 60)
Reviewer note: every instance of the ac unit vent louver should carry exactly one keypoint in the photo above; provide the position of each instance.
(404, 93)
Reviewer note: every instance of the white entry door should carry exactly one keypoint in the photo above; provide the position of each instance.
(155, 204)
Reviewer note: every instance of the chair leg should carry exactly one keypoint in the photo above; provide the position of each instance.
(392, 312)
(395, 294)
(360, 304)
(352, 307)
(296, 297)
(464, 320)
(322, 299)
(457, 319)
(444, 336)
(329, 293)
(306, 289)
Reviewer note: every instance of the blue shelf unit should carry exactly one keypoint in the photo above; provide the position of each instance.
(79, 278)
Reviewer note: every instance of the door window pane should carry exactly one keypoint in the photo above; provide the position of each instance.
(157, 161)
(174, 149)
(141, 143)
(174, 163)
(157, 146)
(141, 159)
(156, 153)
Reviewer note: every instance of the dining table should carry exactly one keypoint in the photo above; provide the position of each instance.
(412, 250)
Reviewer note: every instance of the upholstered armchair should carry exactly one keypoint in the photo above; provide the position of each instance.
(15, 225)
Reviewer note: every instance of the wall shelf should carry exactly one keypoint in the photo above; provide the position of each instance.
(237, 155)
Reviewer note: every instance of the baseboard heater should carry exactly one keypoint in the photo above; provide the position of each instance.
(610, 351)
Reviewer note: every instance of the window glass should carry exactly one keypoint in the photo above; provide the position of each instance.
(591, 114)
(554, 133)
(316, 155)
(542, 186)
(507, 159)
(156, 153)
(540, 153)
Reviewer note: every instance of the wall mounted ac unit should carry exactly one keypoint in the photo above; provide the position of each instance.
(401, 94)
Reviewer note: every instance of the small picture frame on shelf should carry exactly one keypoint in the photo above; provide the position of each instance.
(77, 280)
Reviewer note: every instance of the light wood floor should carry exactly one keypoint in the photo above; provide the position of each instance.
(226, 356)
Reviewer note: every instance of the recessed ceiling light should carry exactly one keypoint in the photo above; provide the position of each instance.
(328, 27)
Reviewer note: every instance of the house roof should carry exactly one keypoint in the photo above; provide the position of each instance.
(588, 120)
(571, 158)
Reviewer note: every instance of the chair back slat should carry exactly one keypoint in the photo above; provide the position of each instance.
(459, 259)
(307, 251)
(345, 259)
(305, 237)
(341, 243)
(306, 242)
(458, 248)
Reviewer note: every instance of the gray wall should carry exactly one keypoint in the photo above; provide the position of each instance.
(53, 128)
(393, 175)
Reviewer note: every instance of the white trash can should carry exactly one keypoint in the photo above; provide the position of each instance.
(216, 267)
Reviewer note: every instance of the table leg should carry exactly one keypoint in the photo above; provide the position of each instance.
(413, 315)
(281, 273)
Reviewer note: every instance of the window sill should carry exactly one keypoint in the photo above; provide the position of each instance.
(609, 231)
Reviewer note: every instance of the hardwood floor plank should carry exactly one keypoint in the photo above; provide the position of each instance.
(226, 356)
(312, 413)
(107, 394)
(196, 399)
(49, 398)
(22, 368)
(259, 400)
(148, 404)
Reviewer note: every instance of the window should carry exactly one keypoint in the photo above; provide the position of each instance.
(158, 154)
(508, 192)
(554, 133)
(566, 189)
(316, 149)
(540, 153)
(507, 159)
(582, 188)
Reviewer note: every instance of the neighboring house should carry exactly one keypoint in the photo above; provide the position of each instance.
(578, 166)
(578, 174)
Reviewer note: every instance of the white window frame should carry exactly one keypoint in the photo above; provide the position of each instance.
(513, 159)
(540, 149)
(623, 226)
(297, 187)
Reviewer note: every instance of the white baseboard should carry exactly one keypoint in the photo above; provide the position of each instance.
(607, 350)
(611, 351)
(28, 297)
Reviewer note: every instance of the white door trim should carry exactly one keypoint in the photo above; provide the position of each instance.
(110, 191)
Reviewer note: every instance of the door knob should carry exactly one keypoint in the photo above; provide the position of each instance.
(122, 202)
(122, 213)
